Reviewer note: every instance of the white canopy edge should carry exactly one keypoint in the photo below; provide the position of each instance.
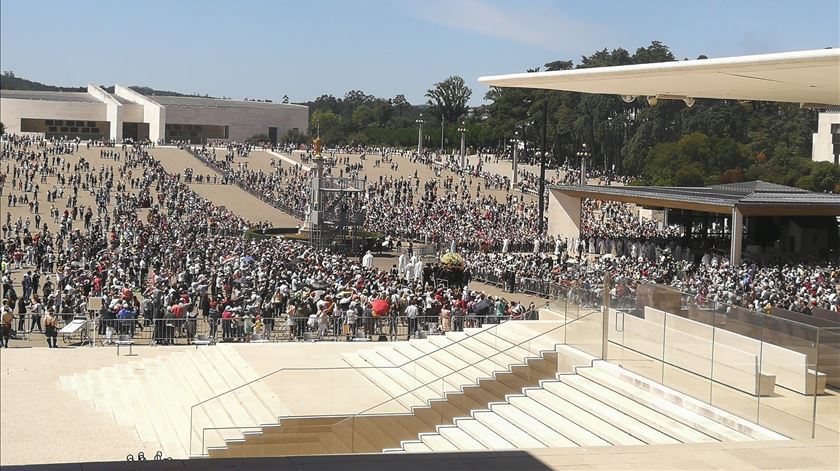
(811, 77)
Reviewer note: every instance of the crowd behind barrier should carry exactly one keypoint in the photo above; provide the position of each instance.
(175, 253)
(179, 331)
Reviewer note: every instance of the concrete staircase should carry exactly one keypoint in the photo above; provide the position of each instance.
(601, 405)
(420, 371)
(154, 395)
(433, 381)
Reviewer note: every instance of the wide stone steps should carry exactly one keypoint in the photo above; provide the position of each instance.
(154, 396)
(599, 405)
(422, 370)
(437, 381)
(696, 421)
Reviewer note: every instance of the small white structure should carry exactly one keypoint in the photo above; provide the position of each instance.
(827, 135)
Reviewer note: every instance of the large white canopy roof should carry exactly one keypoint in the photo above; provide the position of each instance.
(811, 77)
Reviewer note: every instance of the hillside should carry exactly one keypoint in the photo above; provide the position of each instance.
(9, 81)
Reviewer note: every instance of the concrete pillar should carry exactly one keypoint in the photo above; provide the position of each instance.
(583, 179)
(563, 215)
(737, 237)
(113, 110)
(420, 139)
(153, 113)
(515, 163)
(463, 151)
(116, 121)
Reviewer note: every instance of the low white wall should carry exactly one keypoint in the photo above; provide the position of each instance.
(563, 215)
(13, 109)
(244, 121)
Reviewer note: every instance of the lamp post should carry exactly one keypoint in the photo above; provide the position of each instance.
(442, 123)
(524, 127)
(515, 163)
(541, 223)
(420, 134)
(583, 154)
(463, 131)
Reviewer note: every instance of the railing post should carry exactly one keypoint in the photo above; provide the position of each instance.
(605, 317)
(190, 432)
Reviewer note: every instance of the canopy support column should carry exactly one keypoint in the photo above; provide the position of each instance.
(737, 237)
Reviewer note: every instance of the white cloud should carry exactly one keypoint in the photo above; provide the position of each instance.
(522, 22)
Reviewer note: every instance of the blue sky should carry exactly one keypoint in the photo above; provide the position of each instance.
(265, 49)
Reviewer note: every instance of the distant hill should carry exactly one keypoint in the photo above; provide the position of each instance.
(8, 81)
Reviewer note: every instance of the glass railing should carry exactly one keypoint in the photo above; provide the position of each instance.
(773, 370)
(333, 410)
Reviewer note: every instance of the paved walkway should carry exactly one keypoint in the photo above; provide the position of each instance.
(793, 456)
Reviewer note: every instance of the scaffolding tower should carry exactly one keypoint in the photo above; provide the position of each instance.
(336, 210)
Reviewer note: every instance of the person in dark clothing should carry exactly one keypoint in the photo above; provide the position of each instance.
(213, 315)
(51, 329)
(6, 324)
(22, 317)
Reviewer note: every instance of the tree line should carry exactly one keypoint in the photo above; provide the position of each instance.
(713, 141)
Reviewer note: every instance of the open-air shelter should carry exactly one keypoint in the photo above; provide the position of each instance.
(806, 221)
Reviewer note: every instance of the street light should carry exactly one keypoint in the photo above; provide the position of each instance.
(524, 127)
(442, 122)
(420, 134)
(583, 154)
(463, 129)
(515, 142)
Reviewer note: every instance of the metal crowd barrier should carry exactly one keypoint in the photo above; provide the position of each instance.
(77, 329)
(534, 286)
(72, 328)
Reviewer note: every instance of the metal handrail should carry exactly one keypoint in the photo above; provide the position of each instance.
(469, 365)
(315, 369)
(362, 413)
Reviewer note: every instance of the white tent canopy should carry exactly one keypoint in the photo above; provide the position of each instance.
(811, 77)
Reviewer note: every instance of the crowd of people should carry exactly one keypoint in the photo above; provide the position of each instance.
(148, 237)
(286, 188)
(150, 254)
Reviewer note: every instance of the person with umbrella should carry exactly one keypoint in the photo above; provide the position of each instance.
(379, 309)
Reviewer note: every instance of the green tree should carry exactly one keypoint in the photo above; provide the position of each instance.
(257, 139)
(825, 176)
(326, 103)
(293, 136)
(448, 99)
(691, 175)
(362, 117)
(330, 126)
(400, 104)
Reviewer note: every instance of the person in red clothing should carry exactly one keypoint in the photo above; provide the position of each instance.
(227, 323)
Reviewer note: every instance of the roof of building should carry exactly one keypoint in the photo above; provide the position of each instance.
(755, 198)
(122, 100)
(200, 102)
(78, 97)
(800, 77)
(165, 100)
